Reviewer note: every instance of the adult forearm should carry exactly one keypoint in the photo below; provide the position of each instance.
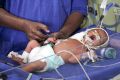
(11, 21)
(31, 28)
(72, 23)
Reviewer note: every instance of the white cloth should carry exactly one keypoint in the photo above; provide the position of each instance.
(40, 53)
(78, 36)
(25, 56)
(46, 54)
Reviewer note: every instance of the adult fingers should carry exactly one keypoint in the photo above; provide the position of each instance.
(37, 36)
(40, 35)
(43, 27)
(33, 37)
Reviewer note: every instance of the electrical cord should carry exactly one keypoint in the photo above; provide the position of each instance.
(78, 62)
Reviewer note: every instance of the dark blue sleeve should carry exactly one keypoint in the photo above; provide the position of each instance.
(2, 2)
(80, 6)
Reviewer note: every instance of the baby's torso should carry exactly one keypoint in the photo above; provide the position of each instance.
(66, 47)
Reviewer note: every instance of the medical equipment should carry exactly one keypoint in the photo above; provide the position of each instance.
(111, 20)
(106, 9)
(109, 53)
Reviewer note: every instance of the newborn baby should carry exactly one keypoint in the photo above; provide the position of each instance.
(47, 57)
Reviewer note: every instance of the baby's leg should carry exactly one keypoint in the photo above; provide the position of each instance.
(17, 59)
(34, 66)
(32, 44)
(23, 58)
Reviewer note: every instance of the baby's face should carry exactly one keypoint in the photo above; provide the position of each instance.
(96, 37)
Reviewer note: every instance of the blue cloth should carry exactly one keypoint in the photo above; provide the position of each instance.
(16, 73)
(74, 71)
(53, 13)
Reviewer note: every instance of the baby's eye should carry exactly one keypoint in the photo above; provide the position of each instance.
(92, 37)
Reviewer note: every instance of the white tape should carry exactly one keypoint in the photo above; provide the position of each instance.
(29, 76)
(103, 4)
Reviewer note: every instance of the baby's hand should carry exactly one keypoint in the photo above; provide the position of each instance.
(93, 55)
(50, 39)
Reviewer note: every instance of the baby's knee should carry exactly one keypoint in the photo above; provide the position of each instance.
(35, 66)
(38, 66)
(33, 44)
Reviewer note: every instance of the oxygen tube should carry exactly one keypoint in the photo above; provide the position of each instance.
(106, 9)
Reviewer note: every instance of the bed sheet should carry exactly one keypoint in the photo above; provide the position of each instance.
(13, 73)
(101, 70)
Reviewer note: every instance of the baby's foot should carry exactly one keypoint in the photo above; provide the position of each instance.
(16, 57)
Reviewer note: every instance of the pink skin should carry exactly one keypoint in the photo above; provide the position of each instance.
(71, 45)
(52, 39)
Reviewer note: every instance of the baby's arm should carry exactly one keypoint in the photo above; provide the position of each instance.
(50, 39)
(32, 44)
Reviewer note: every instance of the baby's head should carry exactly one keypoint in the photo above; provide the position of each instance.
(96, 37)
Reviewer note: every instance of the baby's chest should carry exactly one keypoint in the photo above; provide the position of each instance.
(71, 45)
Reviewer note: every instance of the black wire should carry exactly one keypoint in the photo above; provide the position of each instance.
(3, 76)
(100, 20)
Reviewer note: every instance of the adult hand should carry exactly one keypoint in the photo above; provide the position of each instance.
(33, 30)
(60, 35)
(54, 37)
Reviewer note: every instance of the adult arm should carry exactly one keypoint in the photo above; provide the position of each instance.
(74, 20)
(32, 29)
(72, 23)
